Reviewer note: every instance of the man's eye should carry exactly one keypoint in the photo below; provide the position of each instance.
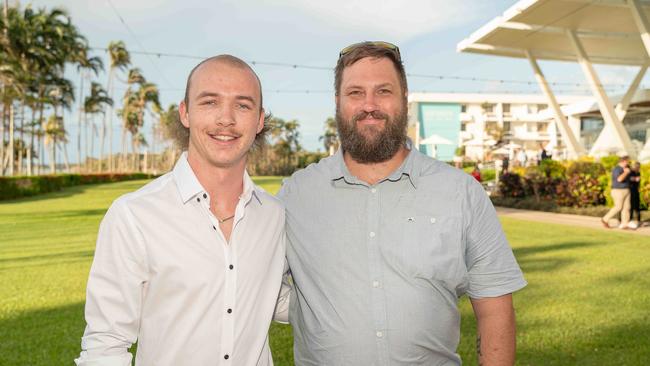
(354, 93)
(243, 106)
(384, 91)
(208, 102)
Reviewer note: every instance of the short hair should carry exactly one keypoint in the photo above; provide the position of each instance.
(368, 49)
(182, 136)
(623, 158)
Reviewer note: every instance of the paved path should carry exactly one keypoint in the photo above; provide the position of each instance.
(566, 219)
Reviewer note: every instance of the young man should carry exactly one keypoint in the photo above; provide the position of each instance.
(383, 239)
(620, 194)
(190, 265)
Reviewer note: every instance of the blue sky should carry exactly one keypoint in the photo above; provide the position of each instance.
(306, 33)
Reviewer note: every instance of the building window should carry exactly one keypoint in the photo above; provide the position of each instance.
(541, 107)
(463, 108)
(488, 107)
(506, 107)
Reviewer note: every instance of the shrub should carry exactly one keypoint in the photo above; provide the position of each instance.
(510, 185)
(609, 162)
(539, 185)
(586, 167)
(552, 169)
(15, 187)
(580, 190)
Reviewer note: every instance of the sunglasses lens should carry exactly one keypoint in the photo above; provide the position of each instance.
(380, 44)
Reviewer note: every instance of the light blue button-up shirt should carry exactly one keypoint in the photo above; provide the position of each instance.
(378, 269)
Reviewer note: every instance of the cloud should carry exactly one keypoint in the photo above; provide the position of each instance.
(397, 20)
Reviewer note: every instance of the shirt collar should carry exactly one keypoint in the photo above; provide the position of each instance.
(410, 168)
(189, 186)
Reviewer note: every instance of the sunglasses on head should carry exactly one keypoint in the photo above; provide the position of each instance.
(379, 44)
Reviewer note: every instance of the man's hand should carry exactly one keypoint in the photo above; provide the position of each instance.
(495, 342)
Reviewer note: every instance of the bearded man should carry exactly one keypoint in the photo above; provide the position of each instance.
(383, 240)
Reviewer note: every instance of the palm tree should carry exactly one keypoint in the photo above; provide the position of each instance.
(54, 133)
(120, 60)
(84, 63)
(330, 138)
(94, 104)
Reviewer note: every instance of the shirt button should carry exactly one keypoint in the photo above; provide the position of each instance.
(226, 357)
(198, 199)
(373, 190)
(213, 227)
(229, 311)
(205, 195)
(372, 234)
(433, 220)
(375, 284)
(231, 266)
(380, 334)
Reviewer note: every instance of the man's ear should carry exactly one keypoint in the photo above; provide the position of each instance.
(182, 111)
(260, 124)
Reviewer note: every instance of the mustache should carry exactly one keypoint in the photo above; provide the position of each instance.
(373, 114)
(223, 131)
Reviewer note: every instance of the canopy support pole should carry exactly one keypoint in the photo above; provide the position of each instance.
(575, 147)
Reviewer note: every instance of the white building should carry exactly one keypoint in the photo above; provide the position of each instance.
(491, 124)
(483, 122)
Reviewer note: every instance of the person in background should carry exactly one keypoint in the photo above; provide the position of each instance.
(620, 194)
(476, 173)
(635, 198)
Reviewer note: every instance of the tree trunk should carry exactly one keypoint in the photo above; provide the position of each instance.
(53, 156)
(66, 162)
(109, 116)
(11, 140)
(93, 133)
(30, 148)
(81, 88)
(102, 137)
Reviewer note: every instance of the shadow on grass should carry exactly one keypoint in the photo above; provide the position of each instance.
(55, 214)
(524, 251)
(53, 337)
(526, 256)
(65, 192)
(57, 257)
(43, 337)
(623, 344)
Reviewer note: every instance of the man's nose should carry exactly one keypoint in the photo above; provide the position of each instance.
(225, 117)
(370, 103)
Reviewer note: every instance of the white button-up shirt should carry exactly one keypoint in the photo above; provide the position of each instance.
(164, 275)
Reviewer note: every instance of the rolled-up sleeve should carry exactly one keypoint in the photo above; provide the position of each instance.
(492, 268)
(116, 286)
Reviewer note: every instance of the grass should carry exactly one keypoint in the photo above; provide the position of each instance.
(586, 303)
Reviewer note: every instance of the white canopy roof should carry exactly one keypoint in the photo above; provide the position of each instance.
(607, 28)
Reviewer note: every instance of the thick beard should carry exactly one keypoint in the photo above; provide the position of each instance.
(375, 145)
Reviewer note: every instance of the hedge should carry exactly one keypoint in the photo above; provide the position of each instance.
(15, 187)
(579, 184)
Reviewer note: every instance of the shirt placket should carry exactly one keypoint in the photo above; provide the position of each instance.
(376, 278)
(230, 283)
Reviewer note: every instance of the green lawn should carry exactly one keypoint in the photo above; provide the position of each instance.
(587, 302)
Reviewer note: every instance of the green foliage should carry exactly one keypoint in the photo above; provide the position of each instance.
(586, 167)
(511, 185)
(552, 169)
(538, 184)
(579, 190)
(15, 187)
(609, 162)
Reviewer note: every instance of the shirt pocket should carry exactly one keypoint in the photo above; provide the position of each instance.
(434, 248)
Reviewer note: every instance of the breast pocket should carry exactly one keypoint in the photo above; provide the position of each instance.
(436, 243)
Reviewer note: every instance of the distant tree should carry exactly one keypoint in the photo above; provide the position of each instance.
(330, 137)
